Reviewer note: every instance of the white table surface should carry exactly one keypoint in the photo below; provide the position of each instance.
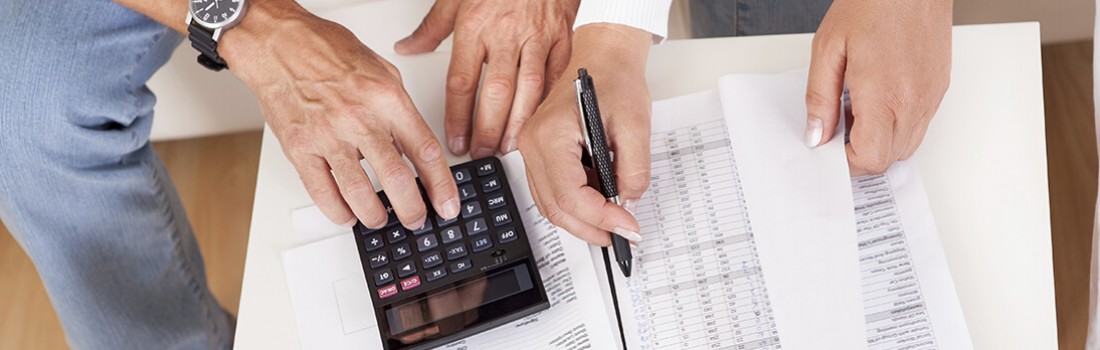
(983, 163)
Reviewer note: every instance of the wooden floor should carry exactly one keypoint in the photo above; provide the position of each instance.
(216, 180)
(1071, 158)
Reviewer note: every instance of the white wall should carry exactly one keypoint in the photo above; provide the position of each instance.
(1059, 20)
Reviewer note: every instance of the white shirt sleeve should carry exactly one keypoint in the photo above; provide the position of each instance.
(647, 15)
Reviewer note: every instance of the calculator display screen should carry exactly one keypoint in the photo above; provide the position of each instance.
(467, 303)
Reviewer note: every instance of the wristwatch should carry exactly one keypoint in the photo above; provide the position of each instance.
(206, 20)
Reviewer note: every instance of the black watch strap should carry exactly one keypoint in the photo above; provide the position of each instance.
(202, 39)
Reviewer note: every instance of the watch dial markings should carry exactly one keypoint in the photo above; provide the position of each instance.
(212, 12)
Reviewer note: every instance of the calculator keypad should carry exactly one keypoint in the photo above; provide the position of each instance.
(402, 260)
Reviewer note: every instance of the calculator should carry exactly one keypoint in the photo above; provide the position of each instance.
(452, 278)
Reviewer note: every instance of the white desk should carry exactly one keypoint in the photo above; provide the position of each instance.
(983, 163)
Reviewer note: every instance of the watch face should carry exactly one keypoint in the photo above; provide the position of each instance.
(215, 13)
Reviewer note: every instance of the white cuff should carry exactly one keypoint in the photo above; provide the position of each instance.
(647, 15)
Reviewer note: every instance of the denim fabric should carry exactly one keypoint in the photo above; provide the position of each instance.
(81, 189)
(714, 18)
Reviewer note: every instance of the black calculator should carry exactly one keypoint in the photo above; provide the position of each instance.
(452, 278)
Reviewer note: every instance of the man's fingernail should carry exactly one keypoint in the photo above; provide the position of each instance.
(629, 235)
(450, 208)
(351, 222)
(457, 144)
(814, 132)
(510, 145)
(419, 223)
(481, 152)
(630, 205)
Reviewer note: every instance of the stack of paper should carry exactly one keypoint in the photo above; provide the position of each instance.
(750, 240)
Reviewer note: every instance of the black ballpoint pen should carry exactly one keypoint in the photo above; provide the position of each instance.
(596, 142)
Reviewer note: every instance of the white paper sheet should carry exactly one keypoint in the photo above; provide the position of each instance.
(334, 310)
(723, 266)
(800, 207)
(328, 292)
(909, 297)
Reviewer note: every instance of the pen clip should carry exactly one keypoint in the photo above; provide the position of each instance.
(578, 85)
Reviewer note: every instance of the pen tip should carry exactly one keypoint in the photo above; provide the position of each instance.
(625, 266)
(582, 72)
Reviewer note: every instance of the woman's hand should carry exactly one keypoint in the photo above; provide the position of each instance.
(552, 141)
(895, 57)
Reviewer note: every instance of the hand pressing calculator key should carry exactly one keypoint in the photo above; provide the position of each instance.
(452, 278)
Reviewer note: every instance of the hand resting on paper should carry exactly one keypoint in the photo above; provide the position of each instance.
(895, 57)
(524, 43)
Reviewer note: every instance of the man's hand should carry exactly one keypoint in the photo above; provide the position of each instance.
(332, 101)
(895, 57)
(524, 43)
(552, 141)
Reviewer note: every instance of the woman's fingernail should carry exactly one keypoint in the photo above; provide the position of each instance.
(629, 235)
(450, 208)
(481, 152)
(400, 44)
(630, 205)
(351, 222)
(457, 144)
(814, 132)
(510, 145)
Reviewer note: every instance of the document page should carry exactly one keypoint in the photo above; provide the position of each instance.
(800, 203)
(700, 279)
(576, 318)
(909, 298)
(334, 310)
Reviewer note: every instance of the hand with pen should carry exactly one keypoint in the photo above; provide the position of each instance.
(552, 142)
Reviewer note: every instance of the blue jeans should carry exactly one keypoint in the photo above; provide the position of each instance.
(81, 189)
